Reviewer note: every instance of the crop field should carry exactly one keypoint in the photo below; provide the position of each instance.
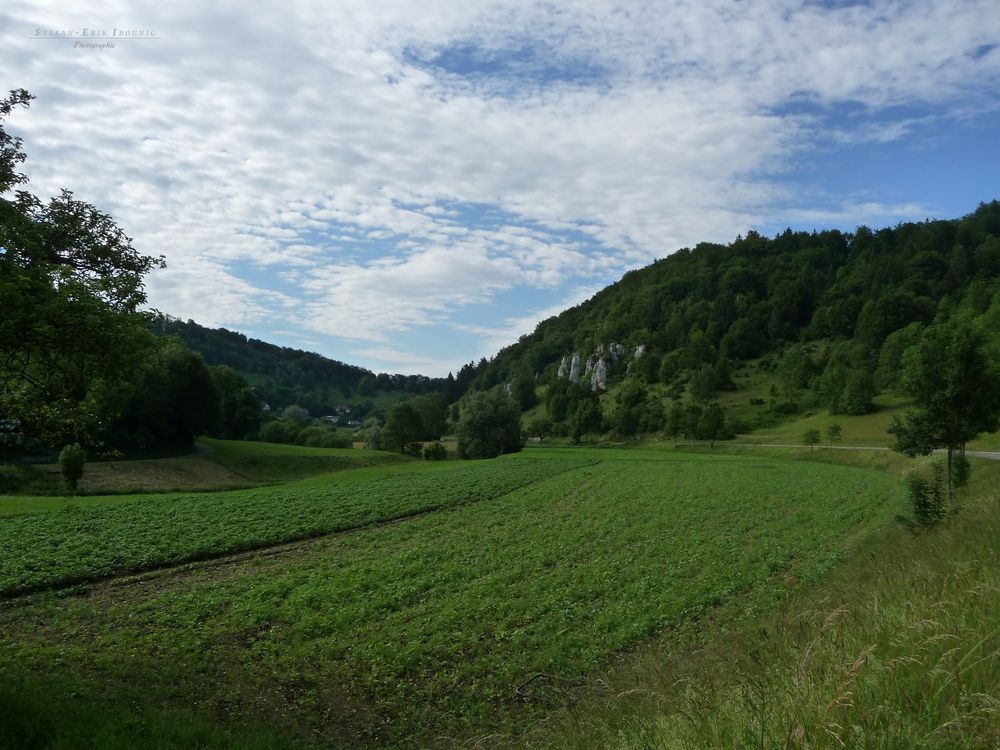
(527, 575)
(59, 548)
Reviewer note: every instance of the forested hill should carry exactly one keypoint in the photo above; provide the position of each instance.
(282, 376)
(698, 310)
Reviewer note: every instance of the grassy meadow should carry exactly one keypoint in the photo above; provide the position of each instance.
(400, 604)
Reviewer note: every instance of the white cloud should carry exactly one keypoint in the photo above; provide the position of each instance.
(494, 338)
(395, 360)
(320, 142)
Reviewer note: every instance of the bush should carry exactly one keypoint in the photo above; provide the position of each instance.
(435, 452)
(71, 461)
(413, 448)
(314, 437)
(961, 470)
(927, 495)
(786, 407)
(334, 439)
(279, 431)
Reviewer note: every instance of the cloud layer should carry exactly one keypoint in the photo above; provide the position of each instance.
(368, 173)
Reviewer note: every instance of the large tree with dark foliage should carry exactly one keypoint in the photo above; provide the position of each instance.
(173, 400)
(71, 284)
(490, 425)
(240, 411)
(957, 393)
(403, 427)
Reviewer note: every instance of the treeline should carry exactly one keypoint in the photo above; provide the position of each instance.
(282, 376)
(829, 312)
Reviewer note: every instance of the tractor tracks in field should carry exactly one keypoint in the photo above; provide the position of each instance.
(217, 562)
(233, 558)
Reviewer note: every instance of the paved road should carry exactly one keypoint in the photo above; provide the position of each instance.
(991, 455)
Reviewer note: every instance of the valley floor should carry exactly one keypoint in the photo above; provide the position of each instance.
(408, 603)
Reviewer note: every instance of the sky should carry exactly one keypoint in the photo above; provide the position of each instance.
(411, 186)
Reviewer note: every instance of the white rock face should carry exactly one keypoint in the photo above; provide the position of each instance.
(639, 351)
(590, 365)
(574, 368)
(617, 351)
(599, 378)
(508, 387)
(563, 368)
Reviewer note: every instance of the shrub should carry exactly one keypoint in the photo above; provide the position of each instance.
(278, 431)
(311, 436)
(961, 470)
(435, 452)
(413, 448)
(71, 461)
(927, 495)
(811, 438)
(336, 440)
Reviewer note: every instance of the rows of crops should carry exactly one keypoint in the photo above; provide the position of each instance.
(444, 621)
(51, 549)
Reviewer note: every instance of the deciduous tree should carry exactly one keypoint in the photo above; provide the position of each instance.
(957, 394)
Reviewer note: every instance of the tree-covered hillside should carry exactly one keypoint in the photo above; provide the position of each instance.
(282, 376)
(833, 311)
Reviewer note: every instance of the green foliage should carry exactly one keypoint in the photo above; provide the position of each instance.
(927, 495)
(317, 436)
(296, 415)
(435, 451)
(834, 433)
(71, 284)
(675, 421)
(540, 426)
(712, 423)
(279, 431)
(961, 470)
(433, 411)
(523, 391)
(490, 425)
(811, 438)
(402, 427)
(282, 376)
(956, 391)
(890, 359)
(847, 385)
(240, 411)
(585, 419)
(71, 462)
(174, 400)
(371, 433)
(716, 306)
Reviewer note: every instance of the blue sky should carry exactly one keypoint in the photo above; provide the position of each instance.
(409, 187)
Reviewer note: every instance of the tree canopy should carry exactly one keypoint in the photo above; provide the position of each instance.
(490, 425)
(71, 284)
(956, 391)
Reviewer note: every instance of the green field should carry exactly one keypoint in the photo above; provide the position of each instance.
(502, 586)
(115, 536)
